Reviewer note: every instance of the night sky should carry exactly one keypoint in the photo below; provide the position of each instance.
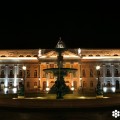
(33, 27)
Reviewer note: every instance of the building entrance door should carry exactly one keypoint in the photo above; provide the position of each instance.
(44, 85)
(117, 84)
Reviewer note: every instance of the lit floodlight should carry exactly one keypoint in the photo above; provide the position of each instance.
(72, 88)
(24, 67)
(97, 67)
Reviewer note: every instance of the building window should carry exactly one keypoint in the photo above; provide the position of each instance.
(11, 73)
(28, 73)
(2, 73)
(21, 56)
(116, 73)
(28, 85)
(84, 84)
(98, 72)
(108, 73)
(43, 66)
(83, 73)
(20, 73)
(44, 85)
(10, 85)
(35, 55)
(35, 73)
(3, 56)
(117, 84)
(35, 83)
(51, 76)
(44, 75)
(91, 55)
(75, 84)
(51, 65)
(91, 84)
(28, 56)
(108, 84)
(74, 74)
(91, 73)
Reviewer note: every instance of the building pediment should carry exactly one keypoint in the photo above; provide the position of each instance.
(65, 54)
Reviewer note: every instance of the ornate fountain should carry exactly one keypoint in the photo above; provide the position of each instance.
(60, 88)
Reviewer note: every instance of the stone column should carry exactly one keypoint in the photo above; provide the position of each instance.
(6, 76)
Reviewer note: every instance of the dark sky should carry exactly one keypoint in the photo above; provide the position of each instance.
(40, 27)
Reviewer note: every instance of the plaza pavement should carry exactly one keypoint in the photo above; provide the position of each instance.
(68, 102)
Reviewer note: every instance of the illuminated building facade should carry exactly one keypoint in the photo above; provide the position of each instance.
(35, 60)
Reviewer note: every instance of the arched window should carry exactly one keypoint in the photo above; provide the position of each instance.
(108, 73)
(98, 72)
(35, 56)
(11, 73)
(43, 74)
(91, 84)
(35, 83)
(21, 56)
(28, 85)
(108, 84)
(2, 73)
(116, 73)
(84, 84)
(117, 85)
(51, 76)
(44, 85)
(75, 84)
(83, 73)
(20, 73)
(28, 73)
(91, 73)
(28, 56)
(35, 73)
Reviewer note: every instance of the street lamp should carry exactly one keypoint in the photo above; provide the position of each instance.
(24, 69)
(99, 92)
(80, 62)
(38, 57)
(21, 92)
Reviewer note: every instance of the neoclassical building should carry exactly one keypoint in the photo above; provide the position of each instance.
(35, 79)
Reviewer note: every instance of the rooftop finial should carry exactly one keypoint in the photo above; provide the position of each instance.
(60, 44)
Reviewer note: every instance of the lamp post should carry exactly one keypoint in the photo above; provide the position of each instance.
(38, 57)
(24, 69)
(38, 77)
(99, 92)
(80, 62)
(21, 92)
